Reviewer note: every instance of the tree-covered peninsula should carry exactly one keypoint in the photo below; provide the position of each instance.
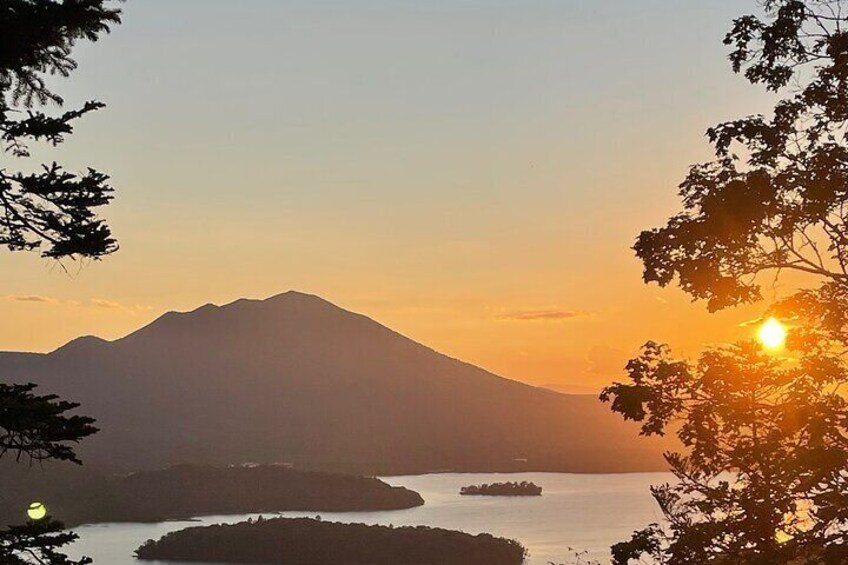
(186, 491)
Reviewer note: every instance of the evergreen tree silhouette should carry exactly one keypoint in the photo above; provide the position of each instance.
(52, 211)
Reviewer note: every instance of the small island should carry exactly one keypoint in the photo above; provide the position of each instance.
(307, 541)
(523, 488)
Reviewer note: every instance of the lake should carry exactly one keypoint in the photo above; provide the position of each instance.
(584, 512)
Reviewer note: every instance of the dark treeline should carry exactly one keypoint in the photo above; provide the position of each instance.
(523, 488)
(190, 490)
(312, 542)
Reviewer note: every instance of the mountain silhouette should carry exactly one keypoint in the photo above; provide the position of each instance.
(295, 379)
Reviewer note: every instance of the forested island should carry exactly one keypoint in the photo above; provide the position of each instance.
(307, 541)
(186, 491)
(523, 488)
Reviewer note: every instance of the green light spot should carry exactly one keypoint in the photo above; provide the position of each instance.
(36, 511)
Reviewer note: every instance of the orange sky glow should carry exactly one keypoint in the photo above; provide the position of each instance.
(428, 167)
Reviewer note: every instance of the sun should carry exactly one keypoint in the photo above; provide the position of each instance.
(772, 334)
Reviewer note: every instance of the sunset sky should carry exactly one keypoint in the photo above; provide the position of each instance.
(471, 173)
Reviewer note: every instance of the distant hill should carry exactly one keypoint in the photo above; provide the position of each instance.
(296, 379)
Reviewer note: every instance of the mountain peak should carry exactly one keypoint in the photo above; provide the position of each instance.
(287, 297)
(257, 318)
(82, 343)
(295, 296)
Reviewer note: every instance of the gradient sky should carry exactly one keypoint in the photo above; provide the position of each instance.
(472, 173)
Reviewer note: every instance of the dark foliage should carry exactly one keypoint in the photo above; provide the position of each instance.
(763, 477)
(523, 488)
(765, 472)
(313, 542)
(38, 427)
(52, 210)
(774, 198)
(37, 542)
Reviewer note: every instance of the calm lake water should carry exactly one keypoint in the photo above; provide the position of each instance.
(584, 512)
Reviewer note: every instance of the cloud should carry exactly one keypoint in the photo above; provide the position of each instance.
(544, 315)
(92, 303)
(748, 323)
(103, 303)
(31, 298)
(112, 305)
